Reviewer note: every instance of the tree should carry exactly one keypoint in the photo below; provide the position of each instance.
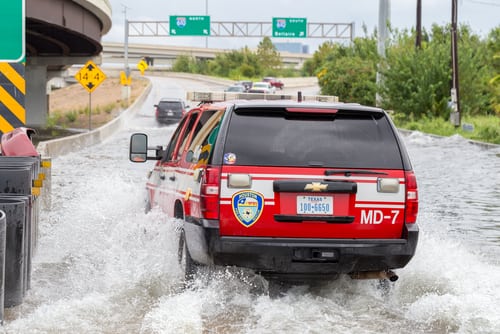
(349, 72)
(324, 53)
(493, 47)
(418, 81)
(268, 57)
(184, 63)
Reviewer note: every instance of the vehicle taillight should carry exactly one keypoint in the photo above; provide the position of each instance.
(411, 210)
(156, 112)
(209, 197)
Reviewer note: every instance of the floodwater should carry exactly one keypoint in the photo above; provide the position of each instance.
(104, 266)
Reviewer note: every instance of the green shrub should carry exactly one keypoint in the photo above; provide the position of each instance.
(71, 116)
(53, 119)
(108, 109)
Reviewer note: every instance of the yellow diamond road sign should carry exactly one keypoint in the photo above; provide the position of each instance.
(90, 76)
(142, 66)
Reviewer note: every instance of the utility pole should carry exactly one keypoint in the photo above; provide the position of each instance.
(418, 41)
(455, 96)
(206, 13)
(125, 44)
(126, 87)
(384, 13)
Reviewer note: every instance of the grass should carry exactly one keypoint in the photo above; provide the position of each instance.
(480, 128)
(79, 118)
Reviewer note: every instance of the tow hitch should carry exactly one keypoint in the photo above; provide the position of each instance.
(385, 274)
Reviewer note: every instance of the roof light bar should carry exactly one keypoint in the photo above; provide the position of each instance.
(228, 96)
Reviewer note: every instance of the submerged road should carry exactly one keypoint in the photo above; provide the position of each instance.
(104, 266)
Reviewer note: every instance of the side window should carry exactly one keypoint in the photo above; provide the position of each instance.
(204, 139)
(173, 142)
(186, 135)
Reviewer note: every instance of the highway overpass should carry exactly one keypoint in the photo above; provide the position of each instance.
(165, 55)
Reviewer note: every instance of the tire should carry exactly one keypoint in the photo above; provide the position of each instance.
(188, 266)
(147, 206)
(147, 203)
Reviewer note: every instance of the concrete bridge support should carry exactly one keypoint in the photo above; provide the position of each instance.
(37, 103)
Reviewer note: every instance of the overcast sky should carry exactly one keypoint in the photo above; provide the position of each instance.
(480, 15)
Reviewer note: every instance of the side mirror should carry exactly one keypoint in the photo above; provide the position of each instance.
(138, 151)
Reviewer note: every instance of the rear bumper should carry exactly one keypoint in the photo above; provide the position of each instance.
(168, 119)
(309, 258)
(163, 117)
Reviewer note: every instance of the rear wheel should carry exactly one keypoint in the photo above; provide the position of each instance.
(147, 203)
(147, 206)
(188, 266)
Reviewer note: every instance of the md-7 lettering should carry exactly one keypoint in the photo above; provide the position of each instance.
(376, 217)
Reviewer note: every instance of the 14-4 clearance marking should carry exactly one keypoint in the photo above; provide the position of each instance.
(90, 76)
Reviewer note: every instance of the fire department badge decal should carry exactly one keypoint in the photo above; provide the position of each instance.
(247, 206)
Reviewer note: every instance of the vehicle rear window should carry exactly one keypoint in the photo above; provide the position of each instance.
(170, 105)
(347, 139)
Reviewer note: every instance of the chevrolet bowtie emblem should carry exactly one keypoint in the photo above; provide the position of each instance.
(316, 186)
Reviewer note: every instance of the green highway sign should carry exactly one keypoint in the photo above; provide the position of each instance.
(12, 39)
(189, 25)
(295, 27)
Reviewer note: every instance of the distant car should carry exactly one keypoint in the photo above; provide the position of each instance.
(262, 88)
(246, 84)
(236, 89)
(170, 110)
(274, 82)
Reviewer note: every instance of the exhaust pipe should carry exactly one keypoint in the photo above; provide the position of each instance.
(389, 274)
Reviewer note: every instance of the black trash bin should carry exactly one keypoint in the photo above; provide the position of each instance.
(3, 226)
(28, 236)
(15, 211)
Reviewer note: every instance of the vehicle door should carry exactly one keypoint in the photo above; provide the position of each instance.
(196, 157)
(169, 170)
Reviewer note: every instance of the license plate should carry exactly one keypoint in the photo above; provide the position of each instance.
(315, 205)
(170, 113)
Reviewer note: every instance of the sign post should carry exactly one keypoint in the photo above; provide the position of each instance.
(289, 27)
(90, 76)
(189, 25)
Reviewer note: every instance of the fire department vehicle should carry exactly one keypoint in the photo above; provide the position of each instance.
(292, 190)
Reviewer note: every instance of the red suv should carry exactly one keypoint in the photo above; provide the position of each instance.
(292, 190)
(274, 82)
